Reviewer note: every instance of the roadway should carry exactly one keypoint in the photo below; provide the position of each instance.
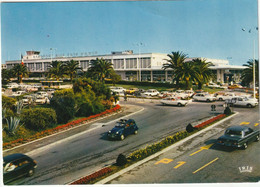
(90, 150)
(202, 161)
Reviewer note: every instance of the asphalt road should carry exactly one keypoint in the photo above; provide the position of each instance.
(82, 154)
(202, 161)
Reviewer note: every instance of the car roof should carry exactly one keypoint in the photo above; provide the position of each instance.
(237, 128)
(15, 156)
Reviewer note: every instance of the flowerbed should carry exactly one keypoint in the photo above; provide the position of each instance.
(71, 124)
(93, 176)
(220, 116)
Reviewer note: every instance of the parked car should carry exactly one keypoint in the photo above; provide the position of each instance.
(12, 85)
(242, 101)
(204, 97)
(18, 93)
(122, 129)
(132, 90)
(27, 99)
(174, 101)
(41, 93)
(40, 99)
(238, 136)
(16, 166)
(151, 92)
(118, 90)
(225, 96)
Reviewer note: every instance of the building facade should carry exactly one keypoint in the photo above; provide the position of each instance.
(130, 66)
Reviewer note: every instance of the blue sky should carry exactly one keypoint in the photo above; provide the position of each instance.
(199, 28)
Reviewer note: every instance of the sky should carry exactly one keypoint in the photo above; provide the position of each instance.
(218, 29)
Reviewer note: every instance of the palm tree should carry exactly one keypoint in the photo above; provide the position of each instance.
(175, 63)
(187, 72)
(20, 70)
(204, 74)
(247, 74)
(71, 68)
(56, 70)
(6, 74)
(100, 69)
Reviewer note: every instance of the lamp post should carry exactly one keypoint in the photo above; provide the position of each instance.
(139, 64)
(51, 52)
(250, 31)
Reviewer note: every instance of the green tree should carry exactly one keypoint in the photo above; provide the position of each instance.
(71, 68)
(7, 74)
(204, 74)
(247, 74)
(56, 70)
(175, 62)
(100, 69)
(187, 73)
(20, 71)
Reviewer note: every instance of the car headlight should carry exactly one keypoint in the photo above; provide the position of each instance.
(117, 132)
(109, 131)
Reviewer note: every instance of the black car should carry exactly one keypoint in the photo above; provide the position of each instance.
(122, 129)
(16, 166)
(238, 136)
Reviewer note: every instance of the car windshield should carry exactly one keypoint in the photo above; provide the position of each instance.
(234, 133)
(119, 124)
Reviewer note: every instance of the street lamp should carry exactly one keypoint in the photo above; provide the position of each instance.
(250, 31)
(51, 52)
(139, 64)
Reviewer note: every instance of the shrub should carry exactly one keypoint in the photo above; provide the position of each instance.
(38, 118)
(9, 103)
(63, 103)
(121, 160)
(227, 111)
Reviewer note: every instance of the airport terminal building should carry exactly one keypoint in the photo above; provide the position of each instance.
(130, 66)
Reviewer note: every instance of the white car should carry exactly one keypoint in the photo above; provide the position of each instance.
(204, 97)
(151, 92)
(12, 85)
(242, 101)
(18, 93)
(174, 101)
(225, 96)
(45, 94)
(118, 90)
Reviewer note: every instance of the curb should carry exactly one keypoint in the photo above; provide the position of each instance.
(109, 178)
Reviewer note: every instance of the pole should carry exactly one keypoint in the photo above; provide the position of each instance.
(254, 71)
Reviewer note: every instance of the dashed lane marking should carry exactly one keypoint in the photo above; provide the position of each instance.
(256, 124)
(205, 165)
(244, 123)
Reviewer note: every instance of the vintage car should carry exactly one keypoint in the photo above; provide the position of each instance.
(203, 97)
(17, 165)
(151, 92)
(238, 136)
(242, 101)
(122, 129)
(174, 101)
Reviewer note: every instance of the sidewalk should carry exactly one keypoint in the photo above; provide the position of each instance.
(126, 110)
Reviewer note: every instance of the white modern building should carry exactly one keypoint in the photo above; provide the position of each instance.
(130, 66)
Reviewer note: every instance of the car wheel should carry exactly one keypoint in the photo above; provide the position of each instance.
(249, 106)
(220, 99)
(179, 104)
(245, 145)
(135, 132)
(30, 172)
(257, 138)
(208, 100)
(122, 137)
